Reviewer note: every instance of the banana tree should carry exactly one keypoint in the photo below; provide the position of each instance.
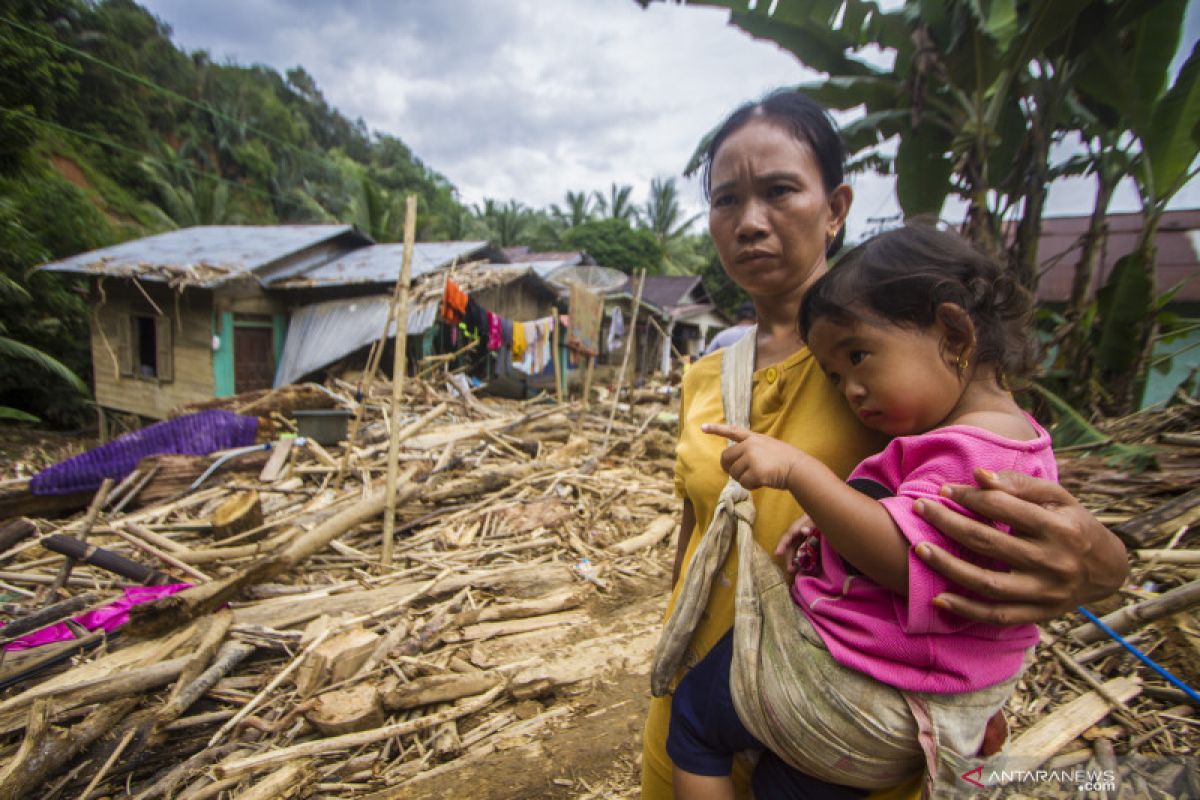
(975, 96)
(1130, 73)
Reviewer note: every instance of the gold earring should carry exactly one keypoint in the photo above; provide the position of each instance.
(963, 362)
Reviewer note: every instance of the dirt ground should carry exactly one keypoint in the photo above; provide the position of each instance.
(589, 746)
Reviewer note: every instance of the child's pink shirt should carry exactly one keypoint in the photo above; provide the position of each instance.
(908, 642)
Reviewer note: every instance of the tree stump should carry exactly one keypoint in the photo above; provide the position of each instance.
(239, 513)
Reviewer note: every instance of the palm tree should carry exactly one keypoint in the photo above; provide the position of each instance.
(507, 223)
(578, 210)
(617, 205)
(12, 349)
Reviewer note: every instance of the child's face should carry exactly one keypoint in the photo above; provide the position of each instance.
(900, 381)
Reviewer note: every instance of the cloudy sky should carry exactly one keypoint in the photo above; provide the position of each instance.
(528, 99)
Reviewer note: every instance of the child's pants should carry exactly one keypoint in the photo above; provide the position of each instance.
(706, 733)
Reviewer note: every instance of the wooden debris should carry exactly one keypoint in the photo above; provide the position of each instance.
(485, 637)
(347, 711)
(336, 659)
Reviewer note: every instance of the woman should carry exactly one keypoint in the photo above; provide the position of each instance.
(778, 204)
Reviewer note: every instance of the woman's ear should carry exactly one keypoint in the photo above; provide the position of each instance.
(839, 208)
(958, 333)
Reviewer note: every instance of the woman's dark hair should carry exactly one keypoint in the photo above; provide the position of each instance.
(904, 275)
(808, 121)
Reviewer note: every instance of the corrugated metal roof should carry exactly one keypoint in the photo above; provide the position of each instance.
(206, 254)
(1177, 242)
(380, 263)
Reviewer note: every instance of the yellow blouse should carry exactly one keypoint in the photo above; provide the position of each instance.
(791, 401)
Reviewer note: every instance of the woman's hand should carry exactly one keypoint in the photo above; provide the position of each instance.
(1060, 555)
(791, 540)
(755, 460)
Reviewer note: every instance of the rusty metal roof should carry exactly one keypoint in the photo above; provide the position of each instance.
(1178, 243)
(380, 263)
(208, 255)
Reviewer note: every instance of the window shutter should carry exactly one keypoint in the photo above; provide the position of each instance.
(125, 328)
(164, 355)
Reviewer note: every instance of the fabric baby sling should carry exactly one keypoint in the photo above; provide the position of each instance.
(779, 664)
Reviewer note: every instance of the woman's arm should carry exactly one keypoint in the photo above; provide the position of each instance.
(687, 524)
(1060, 555)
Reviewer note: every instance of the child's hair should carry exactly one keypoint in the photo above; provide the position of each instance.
(903, 275)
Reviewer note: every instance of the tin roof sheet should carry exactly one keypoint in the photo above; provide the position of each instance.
(380, 263)
(206, 254)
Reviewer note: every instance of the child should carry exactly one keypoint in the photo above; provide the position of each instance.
(922, 334)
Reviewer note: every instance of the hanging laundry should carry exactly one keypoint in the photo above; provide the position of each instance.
(495, 332)
(518, 341)
(476, 319)
(454, 302)
(616, 329)
(583, 326)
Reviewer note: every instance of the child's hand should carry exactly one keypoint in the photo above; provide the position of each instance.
(755, 460)
(795, 535)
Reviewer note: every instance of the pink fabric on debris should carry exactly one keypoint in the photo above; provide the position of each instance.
(109, 617)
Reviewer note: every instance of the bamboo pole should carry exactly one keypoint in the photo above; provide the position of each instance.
(398, 367)
(558, 389)
(629, 342)
(89, 520)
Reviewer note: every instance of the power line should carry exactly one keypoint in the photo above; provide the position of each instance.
(144, 81)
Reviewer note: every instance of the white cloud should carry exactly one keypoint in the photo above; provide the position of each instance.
(527, 99)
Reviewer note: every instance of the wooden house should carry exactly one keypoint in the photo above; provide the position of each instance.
(204, 312)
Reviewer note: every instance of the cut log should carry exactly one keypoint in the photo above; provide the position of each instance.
(481, 482)
(658, 530)
(44, 750)
(489, 630)
(239, 513)
(14, 531)
(350, 741)
(104, 559)
(560, 601)
(335, 660)
(1160, 523)
(1129, 618)
(16, 500)
(48, 615)
(347, 710)
(434, 689)
(152, 619)
(96, 690)
(285, 782)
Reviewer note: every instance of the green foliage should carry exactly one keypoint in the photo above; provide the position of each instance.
(94, 93)
(614, 243)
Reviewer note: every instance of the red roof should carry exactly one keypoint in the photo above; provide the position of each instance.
(1178, 243)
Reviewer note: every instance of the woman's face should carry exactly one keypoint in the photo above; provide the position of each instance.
(770, 216)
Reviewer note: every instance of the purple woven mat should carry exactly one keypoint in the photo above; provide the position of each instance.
(193, 435)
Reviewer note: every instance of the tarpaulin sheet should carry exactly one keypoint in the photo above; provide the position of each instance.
(194, 435)
(321, 333)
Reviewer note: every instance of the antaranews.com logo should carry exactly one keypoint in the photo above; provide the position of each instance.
(1082, 780)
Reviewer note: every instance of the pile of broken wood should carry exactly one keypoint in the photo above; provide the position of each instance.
(307, 659)
(304, 655)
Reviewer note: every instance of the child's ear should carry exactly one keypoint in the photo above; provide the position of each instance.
(958, 331)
